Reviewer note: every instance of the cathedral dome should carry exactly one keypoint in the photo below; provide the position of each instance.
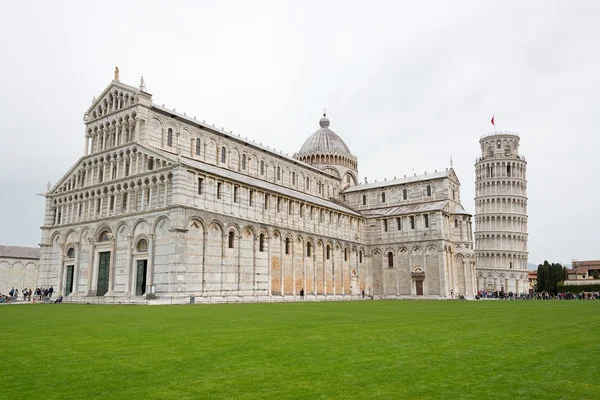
(324, 141)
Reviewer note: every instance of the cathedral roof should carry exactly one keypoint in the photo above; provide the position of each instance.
(401, 181)
(324, 141)
(20, 252)
(443, 205)
(261, 184)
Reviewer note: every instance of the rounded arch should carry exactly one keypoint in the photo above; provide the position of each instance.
(232, 226)
(195, 222)
(84, 234)
(158, 221)
(138, 222)
(122, 225)
(104, 226)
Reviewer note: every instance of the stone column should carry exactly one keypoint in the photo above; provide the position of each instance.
(61, 270)
(111, 272)
(76, 269)
(204, 241)
(117, 134)
(324, 270)
(143, 205)
(137, 129)
(150, 277)
(150, 186)
(130, 268)
(166, 192)
(254, 265)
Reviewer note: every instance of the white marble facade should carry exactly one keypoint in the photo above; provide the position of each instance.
(165, 204)
(501, 214)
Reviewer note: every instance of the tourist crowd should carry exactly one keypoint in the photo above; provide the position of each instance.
(38, 294)
(483, 294)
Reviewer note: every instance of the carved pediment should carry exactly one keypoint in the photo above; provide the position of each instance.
(117, 96)
(452, 176)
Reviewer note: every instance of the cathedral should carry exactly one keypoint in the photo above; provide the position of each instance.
(162, 205)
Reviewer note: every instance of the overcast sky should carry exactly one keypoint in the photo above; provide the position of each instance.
(407, 85)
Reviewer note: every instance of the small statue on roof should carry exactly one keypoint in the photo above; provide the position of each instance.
(117, 74)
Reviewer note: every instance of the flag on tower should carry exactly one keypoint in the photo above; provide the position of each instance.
(493, 120)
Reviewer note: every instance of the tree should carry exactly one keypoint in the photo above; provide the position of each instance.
(548, 276)
(595, 274)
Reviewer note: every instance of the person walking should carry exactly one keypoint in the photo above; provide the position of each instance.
(302, 294)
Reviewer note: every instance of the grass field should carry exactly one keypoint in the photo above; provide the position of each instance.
(351, 350)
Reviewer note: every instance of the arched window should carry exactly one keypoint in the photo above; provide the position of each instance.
(223, 155)
(170, 137)
(428, 190)
(198, 145)
(262, 167)
(328, 252)
(307, 184)
(278, 173)
(104, 236)
(150, 166)
(345, 254)
(243, 161)
(261, 242)
(142, 245)
(391, 259)
(309, 249)
(287, 245)
(231, 237)
(364, 199)
(294, 178)
(404, 194)
(320, 188)
(360, 256)
(383, 197)
(455, 223)
(71, 253)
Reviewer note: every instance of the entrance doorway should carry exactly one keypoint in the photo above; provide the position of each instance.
(103, 270)
(140, 282)
(69, 283)
(419, 285)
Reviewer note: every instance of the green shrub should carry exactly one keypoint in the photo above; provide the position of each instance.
(579, 288)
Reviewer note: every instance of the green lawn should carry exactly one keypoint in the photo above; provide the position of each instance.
(351, 350)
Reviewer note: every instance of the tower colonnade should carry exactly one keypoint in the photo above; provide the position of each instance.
(501, 214)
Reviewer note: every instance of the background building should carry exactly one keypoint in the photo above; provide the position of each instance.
(501, 214)
(18, 267)
(584, 270)
(163, 204)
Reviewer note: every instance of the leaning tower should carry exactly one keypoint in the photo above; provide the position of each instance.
(501, 214)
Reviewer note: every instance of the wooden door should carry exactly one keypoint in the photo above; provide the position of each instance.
(419, 288)
(140, 282)
(103, 271)
(69, 283)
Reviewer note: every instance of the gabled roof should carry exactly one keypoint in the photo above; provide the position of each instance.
(401, 181)
(29, 253)
(267, 186)
(111, 85)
